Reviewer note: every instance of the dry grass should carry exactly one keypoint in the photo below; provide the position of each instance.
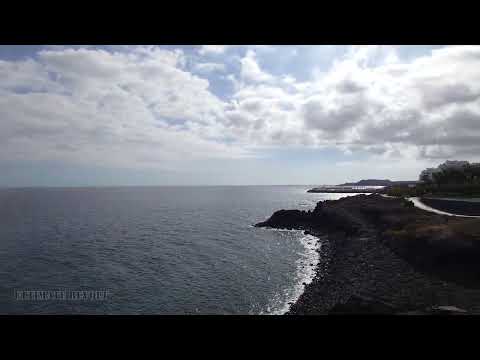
(458, 230)
(468, 227)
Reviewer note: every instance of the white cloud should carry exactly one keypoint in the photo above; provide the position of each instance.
(98, 107)
(209, 67)
(251, 70)
(213, 49)
(141, 107)
(369, 97)
(216, 50)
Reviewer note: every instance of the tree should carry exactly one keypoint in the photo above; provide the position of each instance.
(425, 178)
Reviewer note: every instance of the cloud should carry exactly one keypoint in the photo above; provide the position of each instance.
(370, 97)
(143, 106)
(332, 119)
(213, 49)
(216, 50)
(349, 86)
(251, 71)
(92, 106)
(440, 95)
(209, 67)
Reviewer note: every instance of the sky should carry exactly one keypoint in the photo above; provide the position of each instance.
(234, 114)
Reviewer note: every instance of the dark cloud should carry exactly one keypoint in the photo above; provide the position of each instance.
(458, 131)
(464, 120)
(392, 127)
(252, 105)
(349, 86)
(440, 95)
(332, 121)
(443, 152)
(238, 119)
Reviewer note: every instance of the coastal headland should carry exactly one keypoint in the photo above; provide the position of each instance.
(385, 256)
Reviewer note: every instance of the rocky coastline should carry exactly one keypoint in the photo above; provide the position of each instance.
(384, 256)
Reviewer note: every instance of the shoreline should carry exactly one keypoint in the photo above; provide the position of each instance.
(369, 271)
(320, 272)
(311, 256)
(305, 273)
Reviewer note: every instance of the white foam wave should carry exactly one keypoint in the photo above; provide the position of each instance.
(305, 272)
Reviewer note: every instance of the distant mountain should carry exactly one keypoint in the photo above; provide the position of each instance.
(377, 182)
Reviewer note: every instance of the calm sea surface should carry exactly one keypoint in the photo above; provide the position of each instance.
(153, 250)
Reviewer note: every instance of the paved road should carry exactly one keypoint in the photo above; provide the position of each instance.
(416, 201)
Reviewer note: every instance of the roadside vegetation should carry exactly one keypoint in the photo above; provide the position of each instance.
(457, 182)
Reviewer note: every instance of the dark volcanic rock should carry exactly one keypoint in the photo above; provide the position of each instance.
(384, 256)
(424, 238)
(363, 305)
(287, 219)
(437, 310)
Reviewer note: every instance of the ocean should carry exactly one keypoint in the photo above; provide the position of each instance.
(152, 250)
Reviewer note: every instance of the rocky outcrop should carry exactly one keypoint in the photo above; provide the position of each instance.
(327, 215)
(397, 257)
(419, 236)
(358, 305)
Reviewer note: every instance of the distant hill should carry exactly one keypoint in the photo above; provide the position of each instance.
(369, 182)
(377, 182)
